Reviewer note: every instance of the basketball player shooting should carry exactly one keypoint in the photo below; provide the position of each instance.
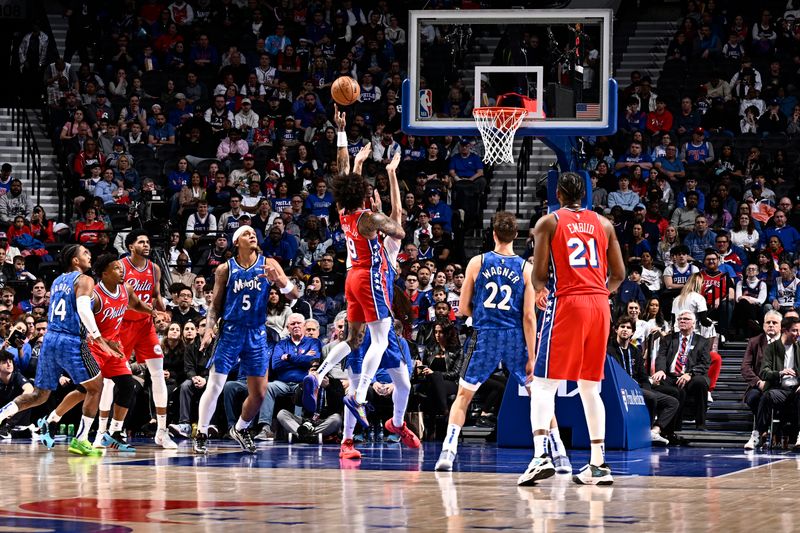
(366, 290)
(582, 249)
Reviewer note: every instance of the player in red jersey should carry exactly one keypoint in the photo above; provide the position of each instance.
(110, 300)
(365, 288)
(139, 333)
(575, 251)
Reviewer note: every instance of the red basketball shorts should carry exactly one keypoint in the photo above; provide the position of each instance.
(110, 366)
(573, 338)
(367, 295)
(139, 336)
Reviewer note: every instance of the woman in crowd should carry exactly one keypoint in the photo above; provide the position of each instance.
(751, 294)
(642, 329)
(744, 234)
(665, 245)
(278, 311)
(323, 308)
(41, 227)
(86, 230)
(174, 349)
(718, 217)
(440, 369)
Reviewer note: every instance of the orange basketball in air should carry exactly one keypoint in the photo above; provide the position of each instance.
(345, 90)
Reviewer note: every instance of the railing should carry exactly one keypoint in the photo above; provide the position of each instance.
(523, 166)
(26, 141)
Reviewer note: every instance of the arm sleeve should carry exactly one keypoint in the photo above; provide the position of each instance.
(84, 304)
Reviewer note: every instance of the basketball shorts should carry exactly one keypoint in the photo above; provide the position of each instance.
(247, 345)
(62, 352)
(573, 337)
(392, 357)
(483, 351)
(139, 337)
(110, 366)
(367, 296)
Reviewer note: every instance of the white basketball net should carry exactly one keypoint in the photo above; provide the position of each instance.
(498, 126)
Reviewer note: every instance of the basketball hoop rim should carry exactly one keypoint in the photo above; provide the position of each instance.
(503, 118)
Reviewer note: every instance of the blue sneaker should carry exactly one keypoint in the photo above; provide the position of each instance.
(310, 391)
(117, 442)
(359, 410)
(44, 433)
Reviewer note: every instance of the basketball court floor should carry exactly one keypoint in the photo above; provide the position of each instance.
(306, 487)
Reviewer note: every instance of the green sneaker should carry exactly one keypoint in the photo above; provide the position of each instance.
(83, 447)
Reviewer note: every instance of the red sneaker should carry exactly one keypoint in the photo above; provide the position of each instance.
(407, 436)
(348, 450)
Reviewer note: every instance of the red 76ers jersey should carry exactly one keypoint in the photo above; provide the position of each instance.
(142, 282)
(112, 310)
(578, 254)
(361, 252)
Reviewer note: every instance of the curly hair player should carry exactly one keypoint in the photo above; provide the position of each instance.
(366, 290)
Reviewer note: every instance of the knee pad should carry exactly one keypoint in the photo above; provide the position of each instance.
(124, 390)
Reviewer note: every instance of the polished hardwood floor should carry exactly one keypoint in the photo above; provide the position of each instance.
(307, 488)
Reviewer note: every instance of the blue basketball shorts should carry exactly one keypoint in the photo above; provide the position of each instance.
(249, 346)
(483, 351)
(392, 357)
(62, 352)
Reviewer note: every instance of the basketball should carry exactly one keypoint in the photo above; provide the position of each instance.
(345, 90)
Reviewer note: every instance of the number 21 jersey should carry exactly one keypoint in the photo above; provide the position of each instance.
(578, 254)
(499, 292)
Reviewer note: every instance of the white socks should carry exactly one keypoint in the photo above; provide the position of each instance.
(539, 445)
(335, 356)
(379, 341)
(102, 424)
(241, 425)
(8, 410)
(162, 422)
(53, 417)
(451, 439)
(558, 445)
(116, 426)
(595, 418)
(86, 425)
(402, 389)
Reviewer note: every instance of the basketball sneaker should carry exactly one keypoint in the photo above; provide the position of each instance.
(445, 462)
(181, 430)
(244, 438)
(201, 443)
(117, 442)
(539, 468)
(163, 439)
(99, 441)
(407, 436)
(753, 442)
(594, 475)
(310, 392)
(359, 410)
(655, 436)
(562, 464)
(44, 433)
(348, 450)
(82, 447)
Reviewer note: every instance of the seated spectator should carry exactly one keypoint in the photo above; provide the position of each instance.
(86, 231)
(691, 186)
(788, 235)
(660, 120)
(630, 290)
(632, 118)
(291, 361)
(719, 291)
(634, 156)
(662, 407)
(697, 154)
(784, 293)
(651, 274)
(439, 211)
(772, 120)
(183, 312)
(751, 369)
(751, 295)
(232, 148)
(213, 257)
(684, 218)
(12, 384)
(670, 166)
(466, 168)
(323, 308)
(438, 373)
(624, 197)
(700, 238)
(199, 224)
(180, 272)
(744, 234)
(682, 366)
(38, 297)
(196, 373)
(278, 311)
(319, 204)
(779, 371)
(14, 203)
(20, 273)
(326, 421)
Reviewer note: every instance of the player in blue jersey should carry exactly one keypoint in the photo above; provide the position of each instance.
(70, 325)
(241, 291)
(392, 359)
(498, 295)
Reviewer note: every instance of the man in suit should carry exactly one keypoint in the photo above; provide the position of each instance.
(662, 406)
(780, 369)
(682, 368)
(751, 367)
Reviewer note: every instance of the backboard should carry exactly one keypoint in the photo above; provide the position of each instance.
(561, 58)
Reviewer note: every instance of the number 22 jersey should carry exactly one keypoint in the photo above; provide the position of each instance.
(499, 292)
(578, 254)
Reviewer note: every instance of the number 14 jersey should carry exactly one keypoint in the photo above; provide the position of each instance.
(499, 292)
(578, 264)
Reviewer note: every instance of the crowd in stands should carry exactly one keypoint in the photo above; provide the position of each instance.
(193, 118)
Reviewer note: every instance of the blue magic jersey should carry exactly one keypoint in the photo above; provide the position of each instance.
(63, 312)
(246, 295)
(499, 292)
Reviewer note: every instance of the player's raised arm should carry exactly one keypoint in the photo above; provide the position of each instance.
(529, 317)
(616, 266)
(542, 234)
(342, 156)
(468, 288)
(368, 226)
(361, 156)
(217, 301)
(394, 189)
(275, 274)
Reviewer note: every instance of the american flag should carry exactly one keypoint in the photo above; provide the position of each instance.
(587, 111)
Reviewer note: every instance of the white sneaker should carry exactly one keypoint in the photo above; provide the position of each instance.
(796, 446)
(710, 398)
(98, 440)
(753, 442)
(539, 468)
(183, 430)
(594, 475)
(656, 437)
(164, 440)
(562, 464)
(445, 462)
